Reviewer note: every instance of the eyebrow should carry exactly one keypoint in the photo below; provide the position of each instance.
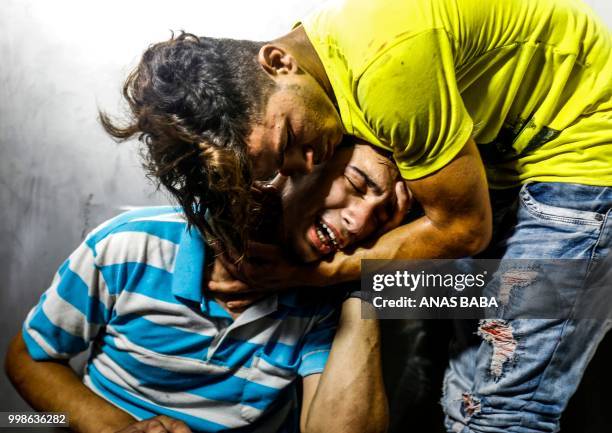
(368, 180)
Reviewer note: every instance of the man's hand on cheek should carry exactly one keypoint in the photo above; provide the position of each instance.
(241, 284)
(403, 202)
(237, 295)
(224, 278)
(267, 268)
(264, 269)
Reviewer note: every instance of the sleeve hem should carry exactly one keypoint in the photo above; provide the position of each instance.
(35, 351)
(311, 372)
(417, 172)
(313, 362)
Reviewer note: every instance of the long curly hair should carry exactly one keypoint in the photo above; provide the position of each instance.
(192, 103)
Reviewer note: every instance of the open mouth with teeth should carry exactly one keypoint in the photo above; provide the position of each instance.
(323, 237)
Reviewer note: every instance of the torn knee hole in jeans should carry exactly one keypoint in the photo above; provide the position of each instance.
(499, 334)
(471, 404)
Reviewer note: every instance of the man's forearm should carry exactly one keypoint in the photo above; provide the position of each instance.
(52, 386)
(420, 239)
(350, 396)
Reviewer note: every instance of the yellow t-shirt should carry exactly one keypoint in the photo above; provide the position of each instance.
(530, 80)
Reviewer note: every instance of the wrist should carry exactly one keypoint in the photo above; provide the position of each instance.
(352, 313)
(307, 275)
(322, 275)
(341, 269)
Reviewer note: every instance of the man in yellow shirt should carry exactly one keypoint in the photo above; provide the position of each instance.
(529, 81)
(508, 96)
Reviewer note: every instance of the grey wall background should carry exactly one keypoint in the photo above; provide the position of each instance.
(60, 175)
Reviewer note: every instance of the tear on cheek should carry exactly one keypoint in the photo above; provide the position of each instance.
(499, 334)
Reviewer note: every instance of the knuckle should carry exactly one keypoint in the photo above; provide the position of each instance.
(178, 423)
(154, 426)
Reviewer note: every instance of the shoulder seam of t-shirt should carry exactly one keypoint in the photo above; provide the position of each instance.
(394, 44)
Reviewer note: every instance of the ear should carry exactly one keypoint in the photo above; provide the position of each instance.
(276, 61)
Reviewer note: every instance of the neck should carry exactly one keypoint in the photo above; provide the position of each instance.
(297, 43)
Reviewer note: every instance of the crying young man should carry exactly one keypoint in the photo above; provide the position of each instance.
(168, 355)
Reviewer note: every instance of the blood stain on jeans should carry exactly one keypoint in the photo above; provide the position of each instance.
(499, 334)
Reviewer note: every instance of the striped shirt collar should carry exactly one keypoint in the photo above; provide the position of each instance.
(189, 274)
(189, 267)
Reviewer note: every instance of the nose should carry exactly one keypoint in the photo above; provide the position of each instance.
(358, 217)
(298, 161)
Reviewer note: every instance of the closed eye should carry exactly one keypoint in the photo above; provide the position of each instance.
(359, 190)
(366, 180)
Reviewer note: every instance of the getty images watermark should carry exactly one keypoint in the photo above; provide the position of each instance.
(479, 289)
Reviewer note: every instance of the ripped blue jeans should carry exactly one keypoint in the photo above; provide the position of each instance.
(518, 375)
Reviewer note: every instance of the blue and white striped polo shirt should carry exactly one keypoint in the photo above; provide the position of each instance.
(134, 290)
